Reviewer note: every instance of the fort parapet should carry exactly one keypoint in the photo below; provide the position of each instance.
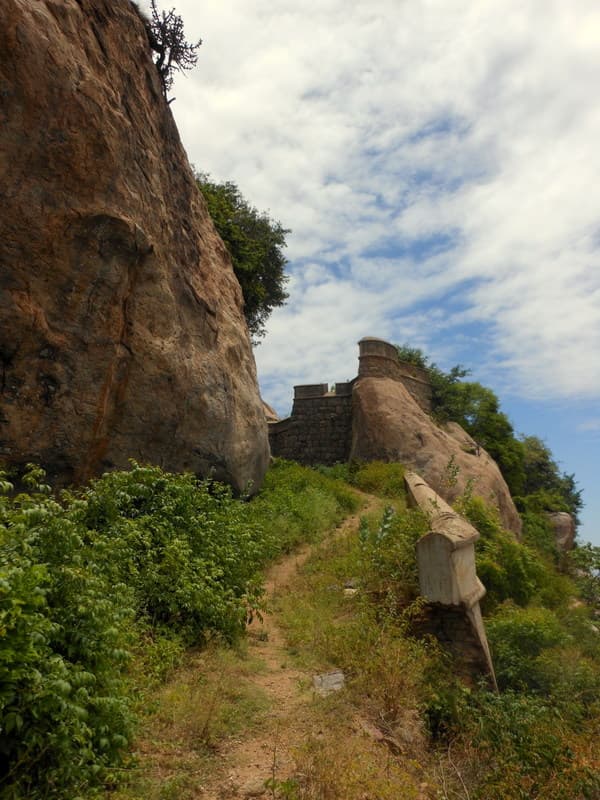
(379, 359)
(319, 429)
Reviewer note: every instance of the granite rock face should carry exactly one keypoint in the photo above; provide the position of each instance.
(389, 425)
(121, 325)
(563, 526)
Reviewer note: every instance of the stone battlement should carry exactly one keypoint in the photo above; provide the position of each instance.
(319, 429)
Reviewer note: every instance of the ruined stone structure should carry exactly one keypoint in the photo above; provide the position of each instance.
(319, 429)
(384, 415)
(448, 580)
(379, 359)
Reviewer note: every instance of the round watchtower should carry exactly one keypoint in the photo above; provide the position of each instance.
(377, 359)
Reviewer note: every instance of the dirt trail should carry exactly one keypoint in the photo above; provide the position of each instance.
(249, 762)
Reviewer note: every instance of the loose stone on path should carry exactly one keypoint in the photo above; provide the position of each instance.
(329, 682)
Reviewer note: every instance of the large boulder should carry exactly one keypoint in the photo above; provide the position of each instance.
(388, 425)
(563, 526)
(122, 330)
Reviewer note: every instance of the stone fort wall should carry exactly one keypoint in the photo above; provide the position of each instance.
(319, 429)
(379, 359)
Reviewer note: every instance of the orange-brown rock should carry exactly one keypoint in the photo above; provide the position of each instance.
(122, 332)
(389, 425)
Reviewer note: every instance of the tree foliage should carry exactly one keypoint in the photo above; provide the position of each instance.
(168, 40)
(255, 243)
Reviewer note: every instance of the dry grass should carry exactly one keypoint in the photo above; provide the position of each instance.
(210, 699)
(344, 763)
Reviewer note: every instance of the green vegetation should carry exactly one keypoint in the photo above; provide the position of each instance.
(534, 740)
(128, 599)
(167, 39)
(255, 243)
(533, 477)
(139, 562)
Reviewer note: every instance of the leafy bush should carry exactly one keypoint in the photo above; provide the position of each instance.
(139, 561)
(518, 748)
(385, 479)
(389, 557)
(380, 478)
(510, 570)
(298, 504)
(584, 564)
(64, 719)
(517, 638)
(187, 548)
(255, 243)
(538, 532)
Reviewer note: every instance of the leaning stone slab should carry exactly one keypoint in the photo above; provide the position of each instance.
(446, 561)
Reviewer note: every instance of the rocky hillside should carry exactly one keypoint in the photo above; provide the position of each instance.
(123, 334)
(389, 425)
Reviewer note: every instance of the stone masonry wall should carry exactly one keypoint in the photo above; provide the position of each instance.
(319, 430)
(379, 359)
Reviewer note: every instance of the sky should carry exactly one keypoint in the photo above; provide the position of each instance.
(438, 164)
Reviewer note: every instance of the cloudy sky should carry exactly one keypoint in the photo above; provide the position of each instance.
(438, 162)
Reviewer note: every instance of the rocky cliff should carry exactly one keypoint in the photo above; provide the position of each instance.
(122, 333)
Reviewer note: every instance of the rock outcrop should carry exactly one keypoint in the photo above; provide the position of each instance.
(563, 526)
(389, 425)
(122, 331)
(270, 414)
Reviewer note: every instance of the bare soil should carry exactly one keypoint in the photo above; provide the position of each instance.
(267, 753)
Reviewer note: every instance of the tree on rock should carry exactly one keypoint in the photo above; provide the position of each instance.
(255, 243)
(168, 41)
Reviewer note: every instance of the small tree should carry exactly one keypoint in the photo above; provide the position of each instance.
(255, 243)
(168, 41)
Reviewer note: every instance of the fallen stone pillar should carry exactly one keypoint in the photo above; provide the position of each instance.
(447, 575)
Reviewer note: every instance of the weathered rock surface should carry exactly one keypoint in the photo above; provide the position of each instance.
(563, 526)
(270, 414)
(122, 333)
(389, 425)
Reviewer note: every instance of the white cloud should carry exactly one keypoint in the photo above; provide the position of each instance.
(371, 128)
(589, 426)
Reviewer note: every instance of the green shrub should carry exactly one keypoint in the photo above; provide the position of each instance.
(584, 564)
(189, 550)
(139, 561)
(385, 479)
(538, 534)
(298, 504)
(517, 638)
(381, 478)
(508, 569)
(341, 471)
(64, 717)
(389, 563)
(521, 749)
